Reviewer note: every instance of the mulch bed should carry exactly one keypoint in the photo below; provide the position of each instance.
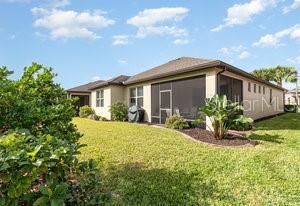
(234, 138)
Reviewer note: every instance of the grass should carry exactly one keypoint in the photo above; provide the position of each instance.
(143, 165)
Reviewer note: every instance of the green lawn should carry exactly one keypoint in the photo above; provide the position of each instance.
(143, 165)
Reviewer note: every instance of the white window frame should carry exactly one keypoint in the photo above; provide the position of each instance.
(136, 97)
(100, 98)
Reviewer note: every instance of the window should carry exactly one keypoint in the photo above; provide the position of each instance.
(183, 97)
(249, 87)
(100, 98)
(264, 90)
(259, 89)
(231, 87)
(254, 88)
(137, 96)
(271, 96)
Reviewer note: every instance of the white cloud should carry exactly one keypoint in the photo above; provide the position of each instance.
(272, 40)
(122, 61)
(239, 50)
(156, 21)
(120, 40)
(224, 51)
(181, 41)
(69, 23)
(244, 55)
(95, 78)
(240, 14)
(295, 60)
(295, 5)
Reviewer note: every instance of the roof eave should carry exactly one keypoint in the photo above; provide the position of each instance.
(186, 70)
(106, 84)
(234, 69)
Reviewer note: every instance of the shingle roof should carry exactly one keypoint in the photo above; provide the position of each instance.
(119, 80)
(188, 64)
(85, 87)
(172, 67)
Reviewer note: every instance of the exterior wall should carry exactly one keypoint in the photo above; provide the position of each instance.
(117, 94)
(111, 94)
(257, 105)
(102, 111)
(290, 98)
(211, 90)
(210, 87)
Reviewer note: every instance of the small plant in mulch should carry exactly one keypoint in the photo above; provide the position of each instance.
(224, 115)
(176, 122)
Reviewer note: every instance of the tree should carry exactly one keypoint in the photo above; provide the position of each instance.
(263, 73)
(39, 144)
(277, 74)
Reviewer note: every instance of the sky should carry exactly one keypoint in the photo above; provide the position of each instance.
(88, 40)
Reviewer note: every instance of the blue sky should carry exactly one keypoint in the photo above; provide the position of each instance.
(86, 40)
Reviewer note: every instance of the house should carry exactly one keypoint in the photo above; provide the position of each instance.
(290, 97)
(181, 86)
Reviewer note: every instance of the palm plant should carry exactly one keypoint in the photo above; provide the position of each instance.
(277, 74)
(223, 114)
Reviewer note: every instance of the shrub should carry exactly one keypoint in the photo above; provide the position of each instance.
(103, 119)
(85, 111)
(223, 114)
(176, 122)
(38, 142)
(242, 123)
(94, 117)
(119, 111)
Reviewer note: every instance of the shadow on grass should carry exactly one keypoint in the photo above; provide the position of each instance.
(266, 137)
(133, 184)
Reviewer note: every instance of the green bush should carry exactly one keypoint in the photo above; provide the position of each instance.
(94, 117)
(85, 111)
(119, 111)
(242, 123)
(176, 122)
(39, 144)
(223, 115)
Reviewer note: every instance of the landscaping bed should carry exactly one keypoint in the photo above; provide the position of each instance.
(234, 138)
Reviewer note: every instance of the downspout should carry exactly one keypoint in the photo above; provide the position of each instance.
(218, 79)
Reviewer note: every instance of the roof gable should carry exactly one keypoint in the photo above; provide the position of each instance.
(174, 66)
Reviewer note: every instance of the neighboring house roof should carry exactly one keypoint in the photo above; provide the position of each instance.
(119, 80)
(188, 64)
(85, 88)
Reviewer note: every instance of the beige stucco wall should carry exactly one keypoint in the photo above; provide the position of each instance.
(290, 98)
(102, 111)
(117, 93)
(111, 94)
(257, 104)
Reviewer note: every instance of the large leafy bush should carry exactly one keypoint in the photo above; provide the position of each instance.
(119, 111)
(39, 144)
(86, 111)
(223, 115)
(176, 122)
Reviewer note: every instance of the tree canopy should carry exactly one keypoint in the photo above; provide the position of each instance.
(278, 74)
